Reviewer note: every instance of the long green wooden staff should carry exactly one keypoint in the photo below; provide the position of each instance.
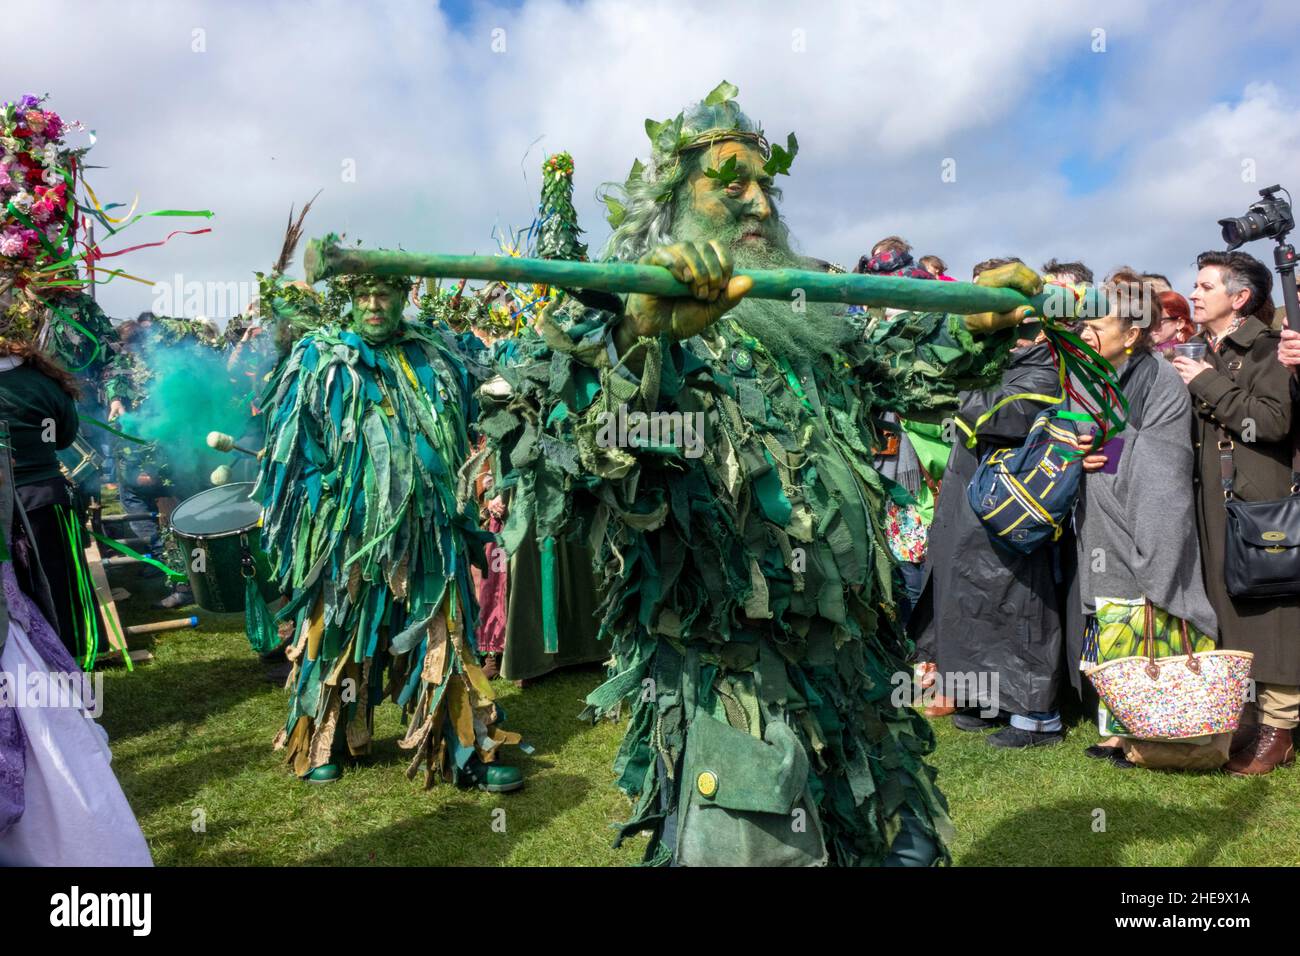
(326, 258)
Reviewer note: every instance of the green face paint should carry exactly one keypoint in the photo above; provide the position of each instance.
(377, 314)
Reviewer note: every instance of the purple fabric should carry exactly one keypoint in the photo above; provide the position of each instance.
(1112, 451)
(491, 633)
(23, 610)
(13, 768)
(13, 744)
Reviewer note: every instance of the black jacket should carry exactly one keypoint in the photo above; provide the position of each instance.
(984, 609)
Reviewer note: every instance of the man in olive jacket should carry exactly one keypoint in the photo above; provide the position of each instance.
(1243, 390)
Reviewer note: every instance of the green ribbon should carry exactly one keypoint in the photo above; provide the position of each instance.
(111, 429)
(84, 598)
(259, 622)
(129, 552)
(550, 629)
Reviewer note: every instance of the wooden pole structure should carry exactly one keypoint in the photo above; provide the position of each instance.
(108, 610)
(326, 258)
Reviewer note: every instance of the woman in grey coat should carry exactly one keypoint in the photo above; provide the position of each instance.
(1135, 521)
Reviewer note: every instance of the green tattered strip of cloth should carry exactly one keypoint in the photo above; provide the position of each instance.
(365, 533)
(769, 545)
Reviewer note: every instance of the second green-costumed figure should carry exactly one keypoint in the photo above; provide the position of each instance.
(366, 430)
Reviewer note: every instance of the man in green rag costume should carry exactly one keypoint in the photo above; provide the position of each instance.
(366, 430)
(750, 598)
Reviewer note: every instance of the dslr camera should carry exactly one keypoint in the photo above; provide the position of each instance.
(1269, 218)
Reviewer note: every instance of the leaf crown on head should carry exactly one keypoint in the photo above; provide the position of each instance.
(671, 139)
(355, 285)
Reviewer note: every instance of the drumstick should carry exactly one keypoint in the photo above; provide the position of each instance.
(223, 442)
(156, 626)
(220, 475)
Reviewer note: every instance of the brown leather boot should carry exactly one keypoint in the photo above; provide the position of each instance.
(1273, 748)
(1242, 738)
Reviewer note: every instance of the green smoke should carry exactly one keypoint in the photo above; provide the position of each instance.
(190, 393)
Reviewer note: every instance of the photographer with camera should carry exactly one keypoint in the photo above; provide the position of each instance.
(1241, 398)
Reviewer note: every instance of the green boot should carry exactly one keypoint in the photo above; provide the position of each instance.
(325, 773)
(495, 778)
(330, 772)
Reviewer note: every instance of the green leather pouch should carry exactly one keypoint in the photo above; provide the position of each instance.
(745, 801)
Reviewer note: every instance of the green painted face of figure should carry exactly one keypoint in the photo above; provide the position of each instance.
(377, 313)
(739, 214)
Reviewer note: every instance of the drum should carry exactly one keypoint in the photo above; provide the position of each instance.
(219, 534)
(81, 462)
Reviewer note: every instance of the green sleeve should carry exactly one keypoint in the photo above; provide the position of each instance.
(542, 416)
(916, 363)
(118, 383)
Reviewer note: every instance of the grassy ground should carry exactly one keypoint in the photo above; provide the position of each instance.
(191, 739)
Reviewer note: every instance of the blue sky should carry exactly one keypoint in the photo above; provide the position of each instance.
(1122, 155)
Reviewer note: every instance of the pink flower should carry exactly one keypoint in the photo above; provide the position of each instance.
(54, 195)
(13, 243)
(35, 120)
(49, 201)
(53, 125)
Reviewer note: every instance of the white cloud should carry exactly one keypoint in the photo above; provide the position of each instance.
(440, 126)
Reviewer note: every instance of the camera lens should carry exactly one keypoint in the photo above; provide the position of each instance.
(1246, 229)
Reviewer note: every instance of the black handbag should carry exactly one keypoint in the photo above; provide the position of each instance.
(1262, 548)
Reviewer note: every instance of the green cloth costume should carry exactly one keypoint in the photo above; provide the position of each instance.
(932, 452)
(365, 535)
(577, 604)
(575, 596)
(748, 592)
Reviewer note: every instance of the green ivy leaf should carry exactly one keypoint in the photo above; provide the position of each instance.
(721, 93)
(726, 174)
(617, 212)
(635, 175)
(780, 160)
(668, 139)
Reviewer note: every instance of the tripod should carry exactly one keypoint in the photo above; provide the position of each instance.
(1284, 263)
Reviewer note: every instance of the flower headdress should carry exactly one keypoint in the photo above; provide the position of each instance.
(37, 214)
(40, 223)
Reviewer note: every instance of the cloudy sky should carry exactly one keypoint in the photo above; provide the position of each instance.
(1115, 132)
